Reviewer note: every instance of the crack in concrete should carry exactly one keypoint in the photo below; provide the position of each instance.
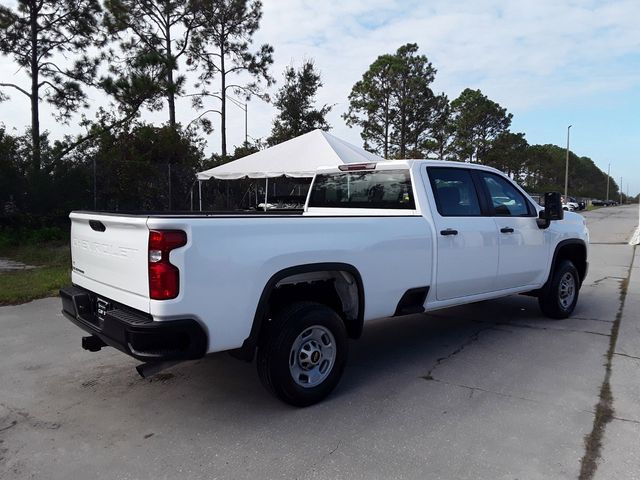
(595, 283)
(625, 355)
(473, 338)
(605, 412)
(534, 327)
(608, 243)
(593, 319)
(321, 459)
(11, 425)
(629, 420)
(25, 416)
(507, 395)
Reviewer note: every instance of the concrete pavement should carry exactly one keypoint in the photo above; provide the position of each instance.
(490, 390)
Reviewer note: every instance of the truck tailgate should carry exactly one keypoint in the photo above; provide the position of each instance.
(109, 257)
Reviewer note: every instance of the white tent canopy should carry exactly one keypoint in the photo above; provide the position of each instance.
(299, 157)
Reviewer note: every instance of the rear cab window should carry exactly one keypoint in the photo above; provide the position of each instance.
(454, 191)
(380, 189)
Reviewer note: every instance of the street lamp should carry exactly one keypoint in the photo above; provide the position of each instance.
(566, 167)
(244, 106)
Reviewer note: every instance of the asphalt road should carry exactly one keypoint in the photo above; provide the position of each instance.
(486, 391)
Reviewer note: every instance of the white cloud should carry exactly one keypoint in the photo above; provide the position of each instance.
(523, 54)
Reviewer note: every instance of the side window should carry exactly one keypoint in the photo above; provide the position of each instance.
(454, 192)
(505, 198)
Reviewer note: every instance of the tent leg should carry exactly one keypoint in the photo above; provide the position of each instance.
(266, 192)
(200, 193)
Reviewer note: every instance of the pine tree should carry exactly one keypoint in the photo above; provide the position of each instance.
(392, 103)
(153, 36)
(295, 102)
(222, 48)
(37, 34)
(476, 121)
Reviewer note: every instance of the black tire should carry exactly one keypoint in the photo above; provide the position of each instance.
(275, 353)
(555, 303)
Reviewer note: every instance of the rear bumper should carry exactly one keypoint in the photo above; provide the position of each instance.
(133, 332)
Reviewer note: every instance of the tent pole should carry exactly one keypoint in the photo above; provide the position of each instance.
(200, 193)
(266, 192)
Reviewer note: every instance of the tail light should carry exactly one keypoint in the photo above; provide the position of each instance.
(164, 278)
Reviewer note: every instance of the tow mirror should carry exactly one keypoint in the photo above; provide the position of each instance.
(552, 209)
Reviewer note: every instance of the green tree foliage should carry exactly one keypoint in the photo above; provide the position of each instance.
(13, 169)
(295, 103)
(143, 167)
(413, 101)
(440, 130)
(476, 122)
(247, 148)
(585, 178)
(153, 35)
(393, 103)
(59, 188)
(370, 105)
(509, 152)
(222, 49)
(37, 34)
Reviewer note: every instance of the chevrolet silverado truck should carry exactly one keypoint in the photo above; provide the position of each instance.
(373, 241)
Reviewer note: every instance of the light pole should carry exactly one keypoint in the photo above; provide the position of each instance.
(566, 167)
(242, 106)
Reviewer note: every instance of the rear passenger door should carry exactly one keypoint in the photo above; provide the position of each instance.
(467, 240)
(523, 250)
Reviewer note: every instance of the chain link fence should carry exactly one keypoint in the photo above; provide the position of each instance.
(140, 187)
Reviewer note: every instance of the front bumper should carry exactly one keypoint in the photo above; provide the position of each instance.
(133, 332)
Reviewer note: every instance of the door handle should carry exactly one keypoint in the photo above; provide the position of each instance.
(449, 231)
(506, 230)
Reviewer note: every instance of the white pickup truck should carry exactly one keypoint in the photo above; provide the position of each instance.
(374, 240)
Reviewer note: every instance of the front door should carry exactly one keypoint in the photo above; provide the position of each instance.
(523, 250)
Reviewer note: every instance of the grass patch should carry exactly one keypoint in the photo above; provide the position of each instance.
(53, 272)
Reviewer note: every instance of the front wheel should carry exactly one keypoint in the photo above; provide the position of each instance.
(303, 353)
(559, 297)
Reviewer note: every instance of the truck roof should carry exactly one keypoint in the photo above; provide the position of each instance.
(405, 164)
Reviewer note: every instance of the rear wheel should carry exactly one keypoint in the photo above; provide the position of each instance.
(303, 353)
(559, 297)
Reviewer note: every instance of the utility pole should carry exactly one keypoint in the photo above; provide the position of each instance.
(608, 176)
(566, 167)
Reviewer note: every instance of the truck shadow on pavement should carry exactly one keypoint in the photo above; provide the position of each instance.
(391, 354)
(390, 350)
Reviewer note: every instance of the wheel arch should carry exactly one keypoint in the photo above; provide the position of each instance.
(354, 326)
(572, 249)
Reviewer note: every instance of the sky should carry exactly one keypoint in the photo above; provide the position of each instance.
(551, 63)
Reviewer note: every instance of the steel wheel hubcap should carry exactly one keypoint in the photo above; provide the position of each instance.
(567, 290)
(312, 356)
